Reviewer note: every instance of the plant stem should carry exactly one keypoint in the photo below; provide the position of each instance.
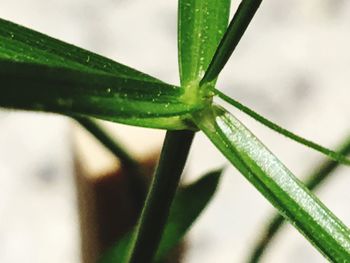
(230, 40)
(131, 167)
(336, 156)
(161, 194)
(277, 221)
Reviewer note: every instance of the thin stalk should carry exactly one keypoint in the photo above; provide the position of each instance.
(132, 168)
(161, 194)
(230, 40)
(111, 144)
(336, 156)
(277, 221)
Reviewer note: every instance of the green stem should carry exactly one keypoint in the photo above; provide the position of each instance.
(336, 156)
(161, 194)
(230, 40)
(277, 221)
(133, 169)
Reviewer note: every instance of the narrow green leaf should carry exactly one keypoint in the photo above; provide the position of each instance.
(293, 200)
(330, 153)
(202, 24)
(233, 35)
(189, 203)
(318, 177)
(21, 44)
(61, 90)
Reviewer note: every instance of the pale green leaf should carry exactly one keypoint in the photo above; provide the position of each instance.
(293, 200)
(202, 24)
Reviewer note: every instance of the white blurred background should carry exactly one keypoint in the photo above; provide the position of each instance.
(292, 65)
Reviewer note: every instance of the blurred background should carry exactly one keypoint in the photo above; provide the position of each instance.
(292, 65)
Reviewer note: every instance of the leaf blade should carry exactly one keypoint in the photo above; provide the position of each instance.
(276, 222)
(201, 25)
(323, 229)
(21, 44)
(67, 91)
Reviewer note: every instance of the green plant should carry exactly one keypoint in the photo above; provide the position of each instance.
(41, 73)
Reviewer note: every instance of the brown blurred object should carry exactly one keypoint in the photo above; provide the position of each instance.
(107, 210)
(107, 205)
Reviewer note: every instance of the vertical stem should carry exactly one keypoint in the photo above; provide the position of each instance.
(161, 194)
(277, 221)
(231, 38)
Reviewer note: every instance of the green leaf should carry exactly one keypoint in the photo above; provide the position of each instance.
(61, 90)
(41, 73)
(22, 44)
(188, 204)
(202, 23)
(293, 200)
(233, 35)
(330, 153)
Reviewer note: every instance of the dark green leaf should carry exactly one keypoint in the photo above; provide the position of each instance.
(41, 73)
(202, 23)
(21, 44)
(188, 204)
(72, 92)
(293, 200)
(233, 35)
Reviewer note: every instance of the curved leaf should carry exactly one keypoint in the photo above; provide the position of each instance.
(293, 200)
